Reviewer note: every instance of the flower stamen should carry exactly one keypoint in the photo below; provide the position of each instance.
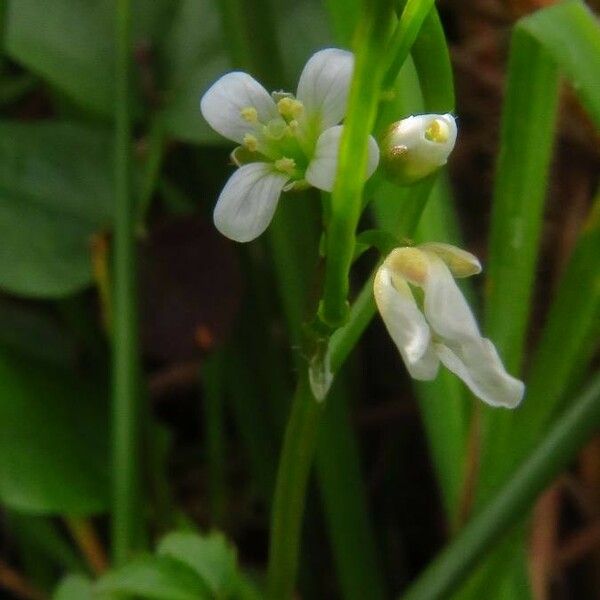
(250, 142)
(286, 165)
(290, 108)
(249, 114)
(438, 131)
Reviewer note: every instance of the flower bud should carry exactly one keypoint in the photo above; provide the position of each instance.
(417, 146)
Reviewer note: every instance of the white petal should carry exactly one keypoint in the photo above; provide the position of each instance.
(324, 85)
(445, 307)
(223, 101)
(248, 201)
(405, 324)
(460, 262)
(480, 367)
(323, 167)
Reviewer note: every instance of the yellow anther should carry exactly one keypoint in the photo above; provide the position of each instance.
(286, 165)
(250, 142)
(438, 131)
(290, 108)
(250, 114)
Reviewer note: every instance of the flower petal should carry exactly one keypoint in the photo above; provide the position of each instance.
(479, 366)
(324, 85)
(460, 262)
(405, 324)
(223, 102)
(248, 201)
(445, 307)
(322, 168)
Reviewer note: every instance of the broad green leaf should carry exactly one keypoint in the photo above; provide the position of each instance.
(53, 454)
(55, 192)
(211, 557)
(193, 57)
(70, 43)
(155, 578)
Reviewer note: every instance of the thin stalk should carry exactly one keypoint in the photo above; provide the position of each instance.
(126, 402)
(563, 441)
(292, 478)
(346, 199)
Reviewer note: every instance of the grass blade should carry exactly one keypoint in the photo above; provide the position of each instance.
(549, 458)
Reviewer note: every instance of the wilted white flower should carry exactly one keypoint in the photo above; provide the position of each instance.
(415, 147)
(286, 141)
(434, 323)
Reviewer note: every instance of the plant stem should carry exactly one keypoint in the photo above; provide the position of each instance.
(569, 433)
(346, 199)
(292, 478)
(126, 402)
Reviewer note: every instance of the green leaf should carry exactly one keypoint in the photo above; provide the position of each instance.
(70, 44)
(53, 455)
(155, 577)
(576, 425)
(528, 123)
(74, 587)
(55, 192)
(211, 557)
(193, 57)
(78, 587)
(570, 33)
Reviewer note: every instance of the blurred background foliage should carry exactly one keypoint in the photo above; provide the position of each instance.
(396, 466)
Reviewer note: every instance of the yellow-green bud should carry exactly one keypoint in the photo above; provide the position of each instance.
(415, 147)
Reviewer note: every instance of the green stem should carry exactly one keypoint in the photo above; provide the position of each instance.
(346, 200)
(126, 405)
(292, 478)
(569, 433)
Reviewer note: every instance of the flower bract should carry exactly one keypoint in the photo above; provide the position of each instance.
(286, 141)
(430, 321)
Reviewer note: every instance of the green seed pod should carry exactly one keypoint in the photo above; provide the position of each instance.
(415, 147)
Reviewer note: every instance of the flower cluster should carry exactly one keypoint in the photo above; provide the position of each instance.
(290, 142)
(286, 141)
(430, 321)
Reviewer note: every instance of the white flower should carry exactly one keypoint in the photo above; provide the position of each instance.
(417, 146)
(440, 326)
(286, 141)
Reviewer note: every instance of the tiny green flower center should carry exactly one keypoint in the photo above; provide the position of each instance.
(437, 131)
